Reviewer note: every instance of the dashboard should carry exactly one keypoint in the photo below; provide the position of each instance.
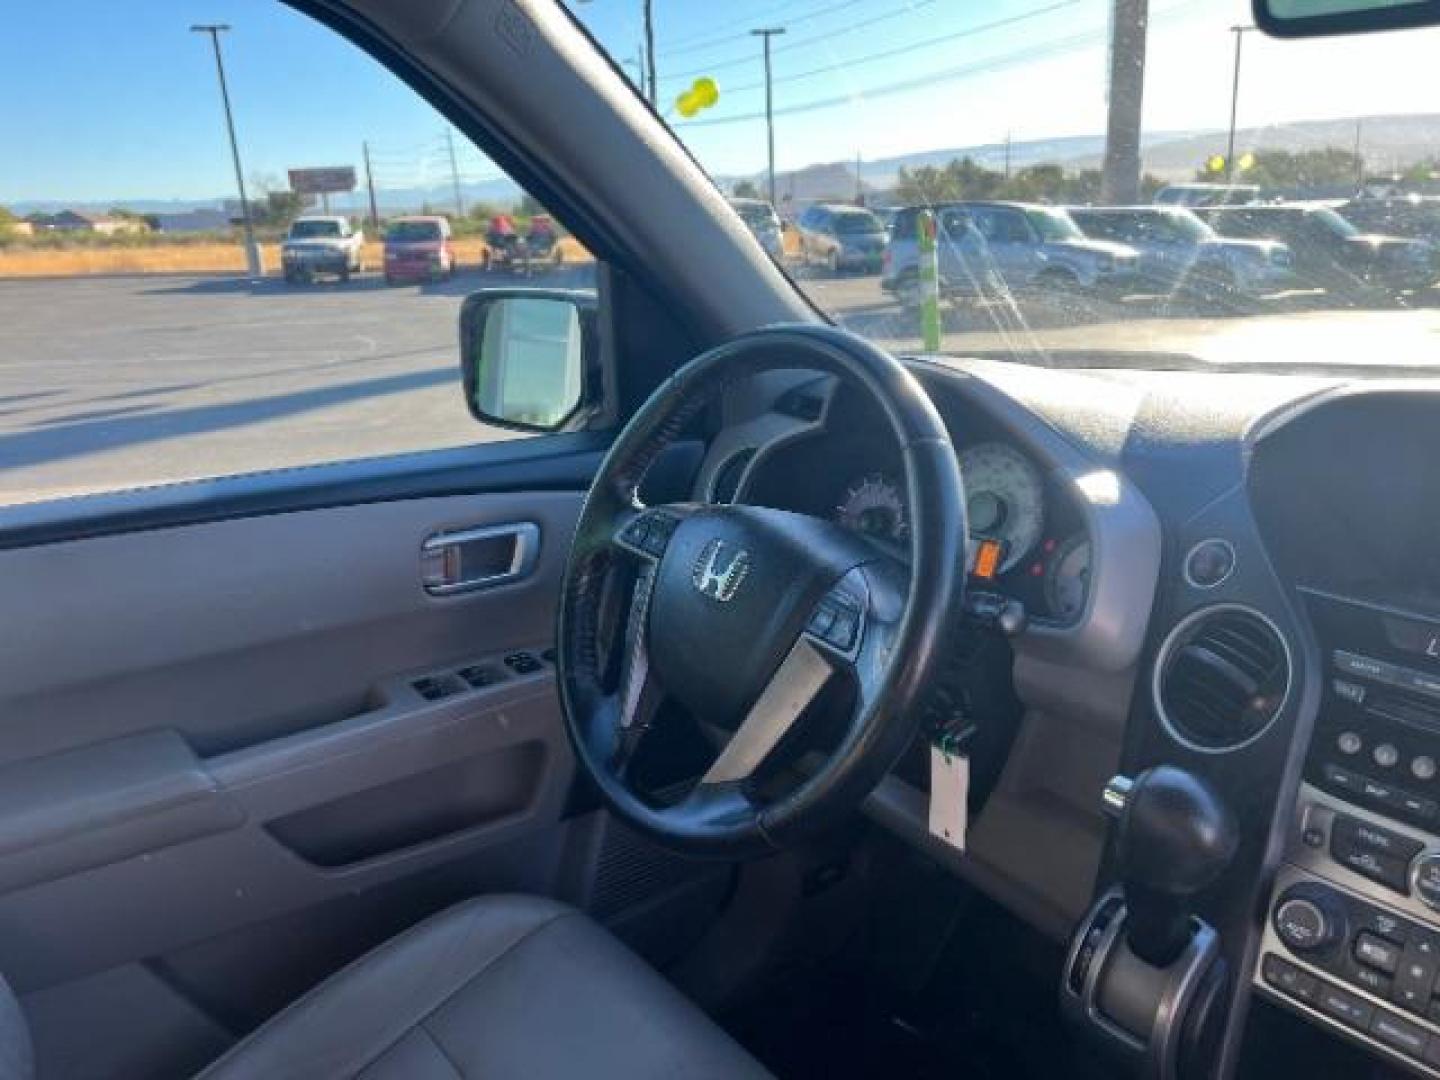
(1160, 527)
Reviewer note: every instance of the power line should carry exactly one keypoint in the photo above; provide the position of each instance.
(905, 50)
(692, 43)
(800, 43)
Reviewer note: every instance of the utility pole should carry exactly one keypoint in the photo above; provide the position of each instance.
(1359, 160)
(1120, 178)
(766, 34)
(1239, 32)
(252, 249)
(454, 173)
(859, 186)
(370, 186)
(649, 16)
(1007, 156)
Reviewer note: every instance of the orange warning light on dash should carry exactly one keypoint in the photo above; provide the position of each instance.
(987, 559)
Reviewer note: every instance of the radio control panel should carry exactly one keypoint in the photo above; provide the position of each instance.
(1352, 938)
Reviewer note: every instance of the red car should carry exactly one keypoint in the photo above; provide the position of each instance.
(418, 249)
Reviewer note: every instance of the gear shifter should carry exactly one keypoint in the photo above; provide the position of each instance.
(1176, 837)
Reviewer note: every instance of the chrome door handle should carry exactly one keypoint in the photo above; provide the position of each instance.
(481, 558)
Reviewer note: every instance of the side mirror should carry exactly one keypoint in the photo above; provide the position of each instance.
(526, 355)
(1313, 18)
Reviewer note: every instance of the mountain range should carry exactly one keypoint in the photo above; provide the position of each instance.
(1388, 142)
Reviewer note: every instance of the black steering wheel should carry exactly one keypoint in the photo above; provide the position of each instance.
(742, 615)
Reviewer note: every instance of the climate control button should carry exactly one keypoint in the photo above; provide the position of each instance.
(1308, 919)
(1425, 875)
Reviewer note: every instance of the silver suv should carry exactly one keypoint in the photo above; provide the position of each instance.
(990, 249)
(1180, 253)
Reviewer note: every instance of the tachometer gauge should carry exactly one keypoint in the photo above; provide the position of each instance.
(1004, 499)
(1067, 579)
(873, 505)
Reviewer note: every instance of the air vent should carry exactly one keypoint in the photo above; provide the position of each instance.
(729, 475)
(1221, 677)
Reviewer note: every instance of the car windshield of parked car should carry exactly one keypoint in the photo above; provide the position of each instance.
(855, 222)
(1337, 224)
(413, 232)
(311, 230)
(756, 215)
(1053, 225)
(1043, 106)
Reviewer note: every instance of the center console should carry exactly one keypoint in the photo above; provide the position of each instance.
(1352, 939)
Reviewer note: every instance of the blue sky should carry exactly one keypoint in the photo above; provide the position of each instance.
(113, 100)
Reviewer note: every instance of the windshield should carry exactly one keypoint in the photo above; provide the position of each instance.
(308, 230)
(1015, 111)
(856, 221)
(756, 215)
(1336, 223)
(1054, 225)
(403, 232)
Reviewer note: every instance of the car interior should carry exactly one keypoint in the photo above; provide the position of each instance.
(789, 708)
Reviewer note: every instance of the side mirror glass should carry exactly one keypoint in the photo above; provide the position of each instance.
(1310, 18)
(524, 354)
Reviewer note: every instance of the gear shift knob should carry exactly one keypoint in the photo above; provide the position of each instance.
(1176, 837)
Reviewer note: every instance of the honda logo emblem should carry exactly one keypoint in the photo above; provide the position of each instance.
(720, 570)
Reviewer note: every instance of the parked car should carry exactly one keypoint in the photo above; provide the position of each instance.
(841, 238)
(1206, 194)
(1330, 251)
(1180, 253)
(1414, 217)
(990, 248)
(418, 249)
(322, 244)
(760, 217)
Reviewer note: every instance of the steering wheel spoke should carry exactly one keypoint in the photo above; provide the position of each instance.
(800, 677)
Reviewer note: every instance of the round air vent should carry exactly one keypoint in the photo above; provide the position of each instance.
(1221, 677)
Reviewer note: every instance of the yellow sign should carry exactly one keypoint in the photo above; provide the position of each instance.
(702, 94)
(1247, 161)
(1216, 163)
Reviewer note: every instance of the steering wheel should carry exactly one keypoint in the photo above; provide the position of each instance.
(742, 615)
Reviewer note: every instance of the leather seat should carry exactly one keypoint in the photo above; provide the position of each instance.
(498, 987)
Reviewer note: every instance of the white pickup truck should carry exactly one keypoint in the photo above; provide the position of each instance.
(322, 244)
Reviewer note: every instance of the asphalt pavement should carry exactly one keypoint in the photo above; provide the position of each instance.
(108, 383)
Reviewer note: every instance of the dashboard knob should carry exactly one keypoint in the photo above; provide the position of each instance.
(1309, 919)
(1425, 878)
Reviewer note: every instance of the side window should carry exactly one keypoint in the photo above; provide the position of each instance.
(139, 343)
(1010, 227)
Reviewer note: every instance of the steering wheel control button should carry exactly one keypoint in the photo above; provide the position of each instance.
(1376, 952)
(523, 663)
(1385, 755)
(1289, 979)
(1308, 920)
(1423, 767)
(836, 622)
(1349, 743)
(1209, 563)
(649, 533)
(1426, 879)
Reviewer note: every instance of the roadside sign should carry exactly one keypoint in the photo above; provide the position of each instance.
(322, 181)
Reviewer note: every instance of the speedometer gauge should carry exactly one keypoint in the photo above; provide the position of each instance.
(873, 505)
(1067, 579)
(1004, 499)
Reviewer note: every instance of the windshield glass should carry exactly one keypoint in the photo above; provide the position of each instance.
(307, 230)
(1054, 225)
(1336, 223)
(1020, 111)
(413, 231)
(756, 215)
(857, 221)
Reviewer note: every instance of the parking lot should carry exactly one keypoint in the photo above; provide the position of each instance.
(111, 382)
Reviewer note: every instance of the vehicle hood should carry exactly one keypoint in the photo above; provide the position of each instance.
(1392, 247)
(414, 247)
(316, 243)
(1089, 248)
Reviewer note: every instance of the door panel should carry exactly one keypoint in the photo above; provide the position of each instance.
(208, 726)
